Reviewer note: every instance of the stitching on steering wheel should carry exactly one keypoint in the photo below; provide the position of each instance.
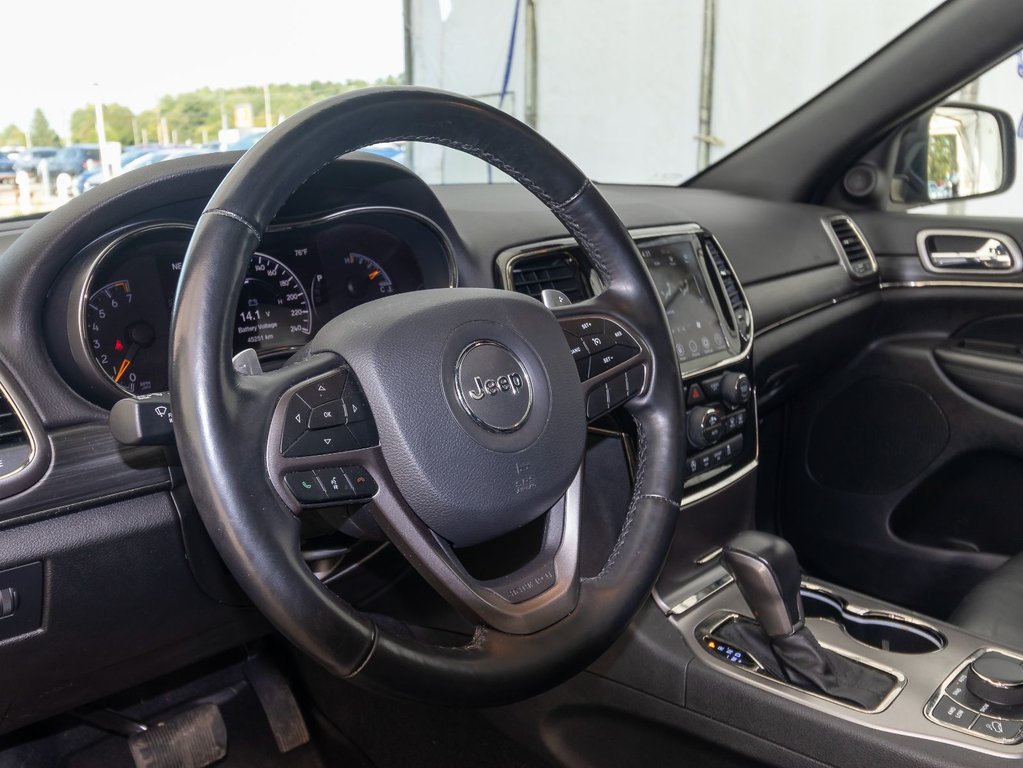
(231, 215)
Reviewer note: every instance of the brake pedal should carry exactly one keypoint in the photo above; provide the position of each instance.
(192, 739)
(278, 702)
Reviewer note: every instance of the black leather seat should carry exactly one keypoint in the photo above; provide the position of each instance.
(994, 608)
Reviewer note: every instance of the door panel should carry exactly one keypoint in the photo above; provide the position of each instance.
(904, 472)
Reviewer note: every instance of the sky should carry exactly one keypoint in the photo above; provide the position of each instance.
(76, 50)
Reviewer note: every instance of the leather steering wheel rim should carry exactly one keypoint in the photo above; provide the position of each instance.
(221, 433)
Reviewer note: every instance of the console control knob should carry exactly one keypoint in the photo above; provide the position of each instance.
(705, 426)
(736, 388)
(997, 679)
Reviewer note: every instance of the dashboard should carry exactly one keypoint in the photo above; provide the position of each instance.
(97, 291)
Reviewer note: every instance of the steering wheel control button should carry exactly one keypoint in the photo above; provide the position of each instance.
(319, 442)
(335, 484)
(619, 336)
(584, 326)
(607, 359)
(324, 390)
(576, 346)
(948, 711)
(493, 387)
(362, 482)
(305, 487)
(330, 414)
(353, 402)
(1000, 730)
(598, 402)
(296, 419)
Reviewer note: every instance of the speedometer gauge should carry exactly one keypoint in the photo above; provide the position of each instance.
(273, 311)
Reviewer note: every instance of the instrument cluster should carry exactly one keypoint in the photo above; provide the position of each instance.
(302, 274)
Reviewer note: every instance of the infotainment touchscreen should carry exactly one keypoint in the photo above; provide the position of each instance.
(692, 315)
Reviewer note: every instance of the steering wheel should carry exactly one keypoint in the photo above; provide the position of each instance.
(472, 424)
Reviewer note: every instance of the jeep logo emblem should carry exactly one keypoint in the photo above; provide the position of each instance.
(511, 382)
(492, 386)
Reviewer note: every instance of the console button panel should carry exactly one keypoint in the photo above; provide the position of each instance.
(956, 705)
(720, 424)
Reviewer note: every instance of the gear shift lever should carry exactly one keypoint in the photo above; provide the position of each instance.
(768, 576)
(767, 573)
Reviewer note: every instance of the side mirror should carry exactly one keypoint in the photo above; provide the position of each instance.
(954, 152)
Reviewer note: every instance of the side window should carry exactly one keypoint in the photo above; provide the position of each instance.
(1001, 87)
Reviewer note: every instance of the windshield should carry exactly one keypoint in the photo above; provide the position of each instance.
(645, 92)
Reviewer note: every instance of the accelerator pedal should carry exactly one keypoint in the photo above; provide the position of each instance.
(192, 739)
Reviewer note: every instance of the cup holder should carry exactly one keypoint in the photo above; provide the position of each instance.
(888, 632)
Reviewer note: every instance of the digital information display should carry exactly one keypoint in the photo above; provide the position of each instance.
(692, 316)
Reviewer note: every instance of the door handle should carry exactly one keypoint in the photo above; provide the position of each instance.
(966, 251)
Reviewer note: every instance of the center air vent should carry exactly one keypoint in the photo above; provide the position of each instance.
(853, 250)
(557, 270)
(15, 448)
(731, 286)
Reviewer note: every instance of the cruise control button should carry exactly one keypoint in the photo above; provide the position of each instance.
(947, 711)
(324, 390)
(608, 359)
(306, 487)
(330, 414)
(583, 326)
(335, 484)
(362, 482)
(1007, 730)
(575, 345)
(596, 343)
(296, 417)
(619, 336)
(322, 441)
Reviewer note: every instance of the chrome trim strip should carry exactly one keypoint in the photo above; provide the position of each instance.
(700, 595)
(926, 259)
(948, 284)
(843, 258)
(713, 623)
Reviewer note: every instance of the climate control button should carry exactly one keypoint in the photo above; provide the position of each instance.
(705, 425)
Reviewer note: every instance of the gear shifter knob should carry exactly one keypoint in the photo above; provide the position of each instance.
(768, 576)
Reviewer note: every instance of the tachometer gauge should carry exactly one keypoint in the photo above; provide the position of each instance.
(123, 340)
(273, 310)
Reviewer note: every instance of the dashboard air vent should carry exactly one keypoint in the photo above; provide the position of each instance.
(852, 247)
(14, 444)
(558, 270)
(730, 284)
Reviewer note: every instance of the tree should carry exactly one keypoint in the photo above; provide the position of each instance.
(12, 135)
(117, 121)
(41, 132)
